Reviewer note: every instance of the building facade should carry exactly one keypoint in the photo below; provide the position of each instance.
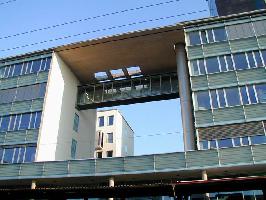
(114, 136)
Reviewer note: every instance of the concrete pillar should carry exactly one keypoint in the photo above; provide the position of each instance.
(204, 176)
(33, 184)
(111, 184)
(185, 98)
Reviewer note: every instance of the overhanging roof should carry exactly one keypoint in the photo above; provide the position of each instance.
(152, 50)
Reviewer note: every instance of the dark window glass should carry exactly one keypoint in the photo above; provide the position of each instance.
(194, 67)
(220, 34)
(16, 127)
(110, 138)
(48, 63)
(2, 72)
(11, 70)
(232, 96)
(203, 100)
(204, 37)
(221, 98)
(6, 71)
(202, 67)
(25, 120)
(28, 67)
(73, 149)
(261, 92)
(8, 155)
(110, 120)
(204, 145)
(101, 121)
(42, 90)
(258, 58)
(1, 154)
(17, 70)
(99, 154)
(225, 143)
(222, 63)
(38, 120)
(245, 141)
(240, 61)
(213, 144)
(259, 139)
(4, 123)
(12, 123)
(263, 53)
(32, 120)
(229, 61)
(30, 154)
(21, 155)
(252, 95)
(16, 155)
(251, 60)
(237, 142)
(36, 66)
(214, 99)
(210, 36)
(24, 68)
(194, 38)
(244, 95)
(212, 65)
(109, 154)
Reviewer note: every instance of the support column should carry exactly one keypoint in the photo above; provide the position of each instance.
(204, 176)
(185, 98)
(33, 185)
(111, 184)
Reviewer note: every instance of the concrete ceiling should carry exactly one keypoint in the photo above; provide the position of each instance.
(152, 50)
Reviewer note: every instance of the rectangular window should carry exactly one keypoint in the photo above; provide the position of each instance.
(204, 145)
(36, 66)
(258, 58)
(245, 141)
(225, 143)
(110, 138)
(204, 37)
(259, 139)
(251, 60)
(214, 99)
(212, 65)
(213, 144)
(232, 96)
(252, 95)
(237, 142)
(17, 70)
(109, 154)
(222, 102)
(222, 63)
(261, 92)
(21, 155)
(240, 61)
(101, 121)
(4, 123)
(220, 34)
(210, 36)
(25, 120)
(202, 67)
(111, 120)
(73, 149)
(194, 38)
(194, 68)
(229, 62)
(8, 155)
(30, 154)
(76, 123)
(99, 154)
(203, 100)
(244, 95)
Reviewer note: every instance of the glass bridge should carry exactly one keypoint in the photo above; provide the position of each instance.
(128, 91)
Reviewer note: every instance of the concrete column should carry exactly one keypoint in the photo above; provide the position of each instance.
(185, 98)
(33, 184)
(111, 184)
(205, 178)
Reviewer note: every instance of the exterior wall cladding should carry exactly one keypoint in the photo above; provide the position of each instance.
(22, 90)
(227, 61)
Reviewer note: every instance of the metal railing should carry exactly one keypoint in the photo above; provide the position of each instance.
(171, 162)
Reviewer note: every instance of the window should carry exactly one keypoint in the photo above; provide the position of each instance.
(109, 154)
(237, 142)
(101, 121)
(4, 123)
(220, 34)
(261, 92)
(194, 38)
(194, 67)
(76, 122)
(232, 96)
(110, 138)
(73, 149)
(240, 61)
(99, 154)
(30, 154)
(252, 95)
(259, 139)
(210, 35)
(8, 155)
(244, 95)
(24, 123)
(222, 102)
(229, 62)
(245, 141)
(202, 67)
(214, 99)
(203, 100)
(204, 145)
(213, 144)
(222, 63)
(111, 120)
(212, 65)
(225, 143)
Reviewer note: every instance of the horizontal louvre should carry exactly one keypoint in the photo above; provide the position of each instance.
(15, 137)
(228, 114)
(55, 168)
(27, 79)
(170, 161)
(20, 107)
(31, 169)
(37, 105)
(82, 167)
(235, 156)
(5, 109)
(262, 41)
(246, 44)
(8, 83)
(109, 165)
(32, 135)
(230, 131)
(139, 163)
(215, 49)
(42, 77)
(202, 158)
(259, 153)
(203, 117)
(257, 111)
(199, 83)
(9, 170)
(195, 52)
(252, 75)
(222, 80)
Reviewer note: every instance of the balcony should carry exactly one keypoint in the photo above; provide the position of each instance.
(128, 91)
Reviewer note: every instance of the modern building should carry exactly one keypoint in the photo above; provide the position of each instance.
(114, 136)
(216, 66)
(228, 7)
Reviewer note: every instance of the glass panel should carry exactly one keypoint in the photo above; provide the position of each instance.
(204, 37)
(18, 118)
(245, 141)
(214, 99)
(101, 121)
(248, 195)
(203, 100)
(1, 154)
(155, 85)
(12, 123)
(8, 155)
(48, 63)
(29, 67)
(251, 60)
(166, 84)
(202, 67)
(212, 65)
(220, 34)
(108, 92)
(137, 87)
(194, 38)
(229, 61)
(232, 96)
(17, 70)
(25, 119)
(210, 36)
(2, 72)
(259, 139)
(126, 89)
(213, 144)
(38, 120)
(252, 95)
(4, 123)
(261, 92)
(222, 102)
(16, 155)
(116, 90)
(21, 155)
(222, 63)
(263, 53)
(244, 95)
(240, 61)
(204, 145)
(110, 120)
(237, 142)
(42, 89)
(194, 68)
(36, 66)
(10, 74)
(98, 95)
(110, 137)
(225, 143)
(109, 154)
(258, 58)
(30, 154)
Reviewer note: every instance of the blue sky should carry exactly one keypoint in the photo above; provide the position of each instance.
(26, 15)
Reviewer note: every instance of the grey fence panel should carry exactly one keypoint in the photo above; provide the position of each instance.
(109, 165)
(55, 168)
(203, 117)
(37, 105)
(220, 80)
(228, 114)
(262, 41)
(195, 52)
(42, 77)
(8, 83)
(139, 163)
(252, 75)
(170, 161)
(9, 170)
(246, 44)
(82, 167)
(215, 49)
(236, 156)
(20, 107)
(202, 158)
(199, 83)
(31, 169)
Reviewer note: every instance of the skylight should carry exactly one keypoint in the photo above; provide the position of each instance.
(117, 73)
(101, 76)
(134, 71)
